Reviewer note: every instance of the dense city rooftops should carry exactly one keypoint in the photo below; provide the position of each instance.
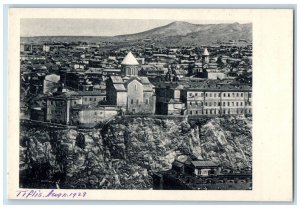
(93, 107)
(71, 94)
(207, 85)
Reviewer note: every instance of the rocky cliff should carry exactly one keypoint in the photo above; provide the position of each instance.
(123, 153)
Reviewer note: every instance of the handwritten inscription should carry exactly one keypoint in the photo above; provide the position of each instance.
(35, 193)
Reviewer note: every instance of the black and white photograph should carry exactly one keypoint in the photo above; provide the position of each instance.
(135, 104)
(149, 104)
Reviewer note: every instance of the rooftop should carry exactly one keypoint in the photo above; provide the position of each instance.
(205, 52)
(129, 60)
(206, 85)
(204, 163)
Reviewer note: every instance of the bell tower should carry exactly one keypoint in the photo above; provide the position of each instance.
(205, 58)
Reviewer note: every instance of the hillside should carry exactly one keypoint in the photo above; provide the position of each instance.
(177, 33)
(124, 153)
(184, 31)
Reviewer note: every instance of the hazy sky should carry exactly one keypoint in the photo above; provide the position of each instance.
(90, 27)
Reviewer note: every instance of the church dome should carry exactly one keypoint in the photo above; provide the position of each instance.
(129, 60)
(205, 53)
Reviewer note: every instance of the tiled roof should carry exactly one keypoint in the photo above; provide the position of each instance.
(203, 163)
(217, 85)
(67, 94)
(144, 80)
(207, 85)
(94, 70)
(116, 79)
(119, 87)
(177, 164)
(90, 93)
(148, 87)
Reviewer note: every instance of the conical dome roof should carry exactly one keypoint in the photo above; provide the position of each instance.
(205, 52)
(129, 60)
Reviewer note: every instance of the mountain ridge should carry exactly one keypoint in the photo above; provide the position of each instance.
(183, 25)
(179, 33)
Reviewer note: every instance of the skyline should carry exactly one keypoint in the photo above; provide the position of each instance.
(95, 27)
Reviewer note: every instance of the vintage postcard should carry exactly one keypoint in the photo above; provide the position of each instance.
(150, 104)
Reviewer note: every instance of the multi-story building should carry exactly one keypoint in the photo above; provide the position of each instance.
(209, 97)
(80, 108)
(217, 98)
(168, 99)
(37, 83)
(73, 79)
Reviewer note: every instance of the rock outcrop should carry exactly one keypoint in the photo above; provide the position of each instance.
(124, 153)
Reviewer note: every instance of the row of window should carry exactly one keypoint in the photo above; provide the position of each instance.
(56, 121)
(132, 71)
(229, 104)
(95, 113)
(218, 111)
(58, 102)
(56, 112)
(100, 113)
(233, 94)
(91, 99)
(137, 101)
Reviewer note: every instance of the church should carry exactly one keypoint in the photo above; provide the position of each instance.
(208, 68)
(132, 93)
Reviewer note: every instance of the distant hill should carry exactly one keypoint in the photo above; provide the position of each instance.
(176, 33)
(67, 39)
(180, 28)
